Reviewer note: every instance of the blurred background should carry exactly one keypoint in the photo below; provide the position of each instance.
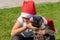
(10, 11)
(14, 3)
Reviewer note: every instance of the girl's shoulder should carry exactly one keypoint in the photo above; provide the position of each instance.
(20, 19)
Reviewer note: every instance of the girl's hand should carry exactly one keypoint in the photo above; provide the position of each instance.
(31, 27)
(42, 32)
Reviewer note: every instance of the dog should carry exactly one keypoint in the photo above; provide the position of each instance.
(38, 22)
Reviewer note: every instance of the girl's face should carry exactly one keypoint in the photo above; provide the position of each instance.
(26, 19)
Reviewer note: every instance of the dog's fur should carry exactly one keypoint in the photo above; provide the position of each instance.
(42, 37)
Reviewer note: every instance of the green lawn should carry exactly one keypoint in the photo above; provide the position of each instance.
(8, 17)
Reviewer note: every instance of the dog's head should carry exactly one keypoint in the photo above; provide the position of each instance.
(37, 20)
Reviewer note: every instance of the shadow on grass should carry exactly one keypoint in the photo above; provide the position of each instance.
(57, 39)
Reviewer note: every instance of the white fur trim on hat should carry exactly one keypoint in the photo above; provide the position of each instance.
(27, 15)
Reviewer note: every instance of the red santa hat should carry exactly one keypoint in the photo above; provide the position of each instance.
(50, 23)
(28, 9)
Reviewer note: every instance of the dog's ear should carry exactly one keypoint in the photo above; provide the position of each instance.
(31, 19)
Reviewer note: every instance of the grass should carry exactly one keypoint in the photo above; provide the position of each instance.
(8, 17)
